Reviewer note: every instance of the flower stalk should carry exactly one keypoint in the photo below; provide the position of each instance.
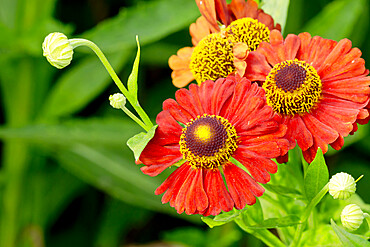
(54, 55)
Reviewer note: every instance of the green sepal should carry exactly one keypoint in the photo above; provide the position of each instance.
(138, 142)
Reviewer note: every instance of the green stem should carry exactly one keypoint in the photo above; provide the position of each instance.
(263, 234)
(135, 104)
(306, 214)
(136, 119)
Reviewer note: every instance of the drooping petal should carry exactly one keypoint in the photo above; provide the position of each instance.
(243, 189)
(218, 196)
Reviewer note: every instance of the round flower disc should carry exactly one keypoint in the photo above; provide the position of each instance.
(292, 87)
(208, 141)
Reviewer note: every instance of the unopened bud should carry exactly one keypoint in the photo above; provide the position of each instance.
(57, 50)
(342, 186)
(352, 217)
(117, 100)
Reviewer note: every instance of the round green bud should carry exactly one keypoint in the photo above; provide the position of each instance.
(342, 186)
(352, 217)
(57, 50)
(117, 100)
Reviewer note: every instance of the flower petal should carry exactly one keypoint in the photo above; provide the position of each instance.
(218, 196)
(242, 187)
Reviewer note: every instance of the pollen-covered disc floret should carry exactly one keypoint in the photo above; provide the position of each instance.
(292, 87)
(212, 58)
(208, 141)
(249, 31)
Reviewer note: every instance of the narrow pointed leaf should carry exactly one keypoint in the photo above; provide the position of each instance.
(132, 79)
(317, 176)
(349, 239)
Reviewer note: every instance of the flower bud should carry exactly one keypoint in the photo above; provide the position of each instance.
(352, 217)
(342, 186)
(57, 50)
(117, 100)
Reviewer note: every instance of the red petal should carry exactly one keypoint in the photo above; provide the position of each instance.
(222, 12)
(257, 66)
(222, 91)
(258, 167)
(218, 196)
(300, 132)
(186, 100)
(291, 44)
(177, 111)
(196, 197)
(338, 144)
(322, 134)
(179, 174)
(242, 187)
(241, 9)
(155, 169)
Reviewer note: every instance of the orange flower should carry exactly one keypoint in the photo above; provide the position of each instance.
(219, 51)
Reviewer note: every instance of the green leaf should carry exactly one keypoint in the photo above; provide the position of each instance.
(150, 20)
(227, 216)
(138, 142)
(337, 20)
(290, 220)
(80, 84)
(132, 79)
(283, 191)
(115, 174)
(252, 214)
(317, 176)
(349, 239)
(223, 218)
(104, 131)
(278, 9)
(212, 223)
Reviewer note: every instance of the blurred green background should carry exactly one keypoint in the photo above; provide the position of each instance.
(67, 177)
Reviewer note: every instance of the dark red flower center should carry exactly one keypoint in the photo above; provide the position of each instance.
(290, 77)
(205, 136)
(208, 141)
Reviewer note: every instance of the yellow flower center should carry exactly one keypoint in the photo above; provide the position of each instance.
(248, 31)
(208, 141)
(292, 87)
(213, 57)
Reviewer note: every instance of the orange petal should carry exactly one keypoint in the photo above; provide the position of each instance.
(200, 29)
(240, 51)
(208, 10)
(181, 75)
(181, 78)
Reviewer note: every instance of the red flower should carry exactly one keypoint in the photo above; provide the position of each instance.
(319, 87)
(218, 52)
(204, 128)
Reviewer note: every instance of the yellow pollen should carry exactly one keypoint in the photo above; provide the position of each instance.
(203, 133)
(292, 87)
(208, 141)
(249, 31)
(212, 58)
